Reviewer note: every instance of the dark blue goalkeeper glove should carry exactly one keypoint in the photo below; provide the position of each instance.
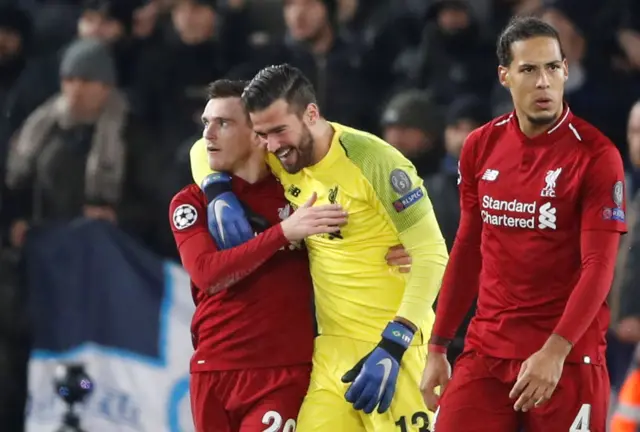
(226, 216)
(374, 377)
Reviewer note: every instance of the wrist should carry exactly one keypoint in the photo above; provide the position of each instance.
(396, 338)
(284, 228)
(216, 177)
(405, 322)
(398, 333)
(216, 184)
(557, 346)
(437, 349)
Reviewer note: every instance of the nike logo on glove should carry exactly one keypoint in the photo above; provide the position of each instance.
(387, 365)
(218, 206)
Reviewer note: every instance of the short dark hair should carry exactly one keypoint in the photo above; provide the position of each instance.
(225, 88)
(279, 82)
(519, 29)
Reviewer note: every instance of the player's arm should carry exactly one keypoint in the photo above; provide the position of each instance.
(396, 191)
(602, 222)
(211, 269)
(410, 211)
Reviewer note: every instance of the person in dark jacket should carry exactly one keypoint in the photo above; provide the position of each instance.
(81, 153)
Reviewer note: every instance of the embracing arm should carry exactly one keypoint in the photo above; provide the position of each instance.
(211, 269)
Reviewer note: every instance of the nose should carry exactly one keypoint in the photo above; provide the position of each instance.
(272, 144)
(209, 132)
(543, 80)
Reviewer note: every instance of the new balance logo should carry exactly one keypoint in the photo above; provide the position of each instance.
(547, 218)
(549, 189)
(490, 175)
(294, 190)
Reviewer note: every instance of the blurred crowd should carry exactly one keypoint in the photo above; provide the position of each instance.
(100, 100)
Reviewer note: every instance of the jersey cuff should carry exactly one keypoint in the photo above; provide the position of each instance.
(440, 349)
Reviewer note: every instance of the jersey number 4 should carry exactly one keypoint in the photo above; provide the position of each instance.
(581, 422)
(273, 419)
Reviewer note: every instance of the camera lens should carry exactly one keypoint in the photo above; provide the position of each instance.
(72, 383)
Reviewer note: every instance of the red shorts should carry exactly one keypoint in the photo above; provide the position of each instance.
(477, 399)
(251, 400)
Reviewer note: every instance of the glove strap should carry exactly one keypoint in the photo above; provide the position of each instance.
(216, 184)
(396, 338)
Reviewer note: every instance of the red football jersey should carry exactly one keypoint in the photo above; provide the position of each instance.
(532, 198)
(259, 314)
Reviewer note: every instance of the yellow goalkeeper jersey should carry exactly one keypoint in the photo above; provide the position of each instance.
(356, 292)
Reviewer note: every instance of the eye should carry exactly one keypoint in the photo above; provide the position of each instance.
(527, 69)
(222, 123)
(554, 67)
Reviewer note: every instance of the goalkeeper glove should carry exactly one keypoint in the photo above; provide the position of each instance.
(374, 377)
(226, 217)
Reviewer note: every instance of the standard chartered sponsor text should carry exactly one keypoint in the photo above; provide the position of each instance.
(527, 211)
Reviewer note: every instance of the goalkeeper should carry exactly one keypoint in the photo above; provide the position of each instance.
(371, 319)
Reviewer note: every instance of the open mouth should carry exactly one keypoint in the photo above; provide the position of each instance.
(543, 102)
(283, 153)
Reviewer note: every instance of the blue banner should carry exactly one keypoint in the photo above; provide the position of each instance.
(99, 298)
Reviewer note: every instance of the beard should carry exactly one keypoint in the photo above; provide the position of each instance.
(303, 151)
(542, 120)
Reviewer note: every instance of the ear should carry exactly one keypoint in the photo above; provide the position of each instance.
(256, 139)
(311, 114)
(503, 77)
(565, 69)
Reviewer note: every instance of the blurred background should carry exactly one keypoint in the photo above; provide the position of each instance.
(100, 102)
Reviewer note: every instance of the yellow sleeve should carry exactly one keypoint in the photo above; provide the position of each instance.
(398, 192)
(199, 161)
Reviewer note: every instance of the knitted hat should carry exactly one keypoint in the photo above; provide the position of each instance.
(470, 108)
(90, 60)
(413, 109)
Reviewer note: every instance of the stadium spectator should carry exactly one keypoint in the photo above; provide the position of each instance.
(455, 59)
(81, 153)
(592, 84)
(23, 86)
(112, 21)
(173, 77)
(387, 34)
(334, 64)
(358, 53)
(628, 328)
(463, 116)
(413, 124)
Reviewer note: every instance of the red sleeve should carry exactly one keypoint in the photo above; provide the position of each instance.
(599, 250)
(208, 267)
(461, 278)
(603, 197)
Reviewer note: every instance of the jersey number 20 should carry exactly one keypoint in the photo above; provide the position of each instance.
(273, 419)
(581, 422)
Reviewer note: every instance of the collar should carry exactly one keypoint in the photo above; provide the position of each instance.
(240, 186)
(335, 150)
(554, 133)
